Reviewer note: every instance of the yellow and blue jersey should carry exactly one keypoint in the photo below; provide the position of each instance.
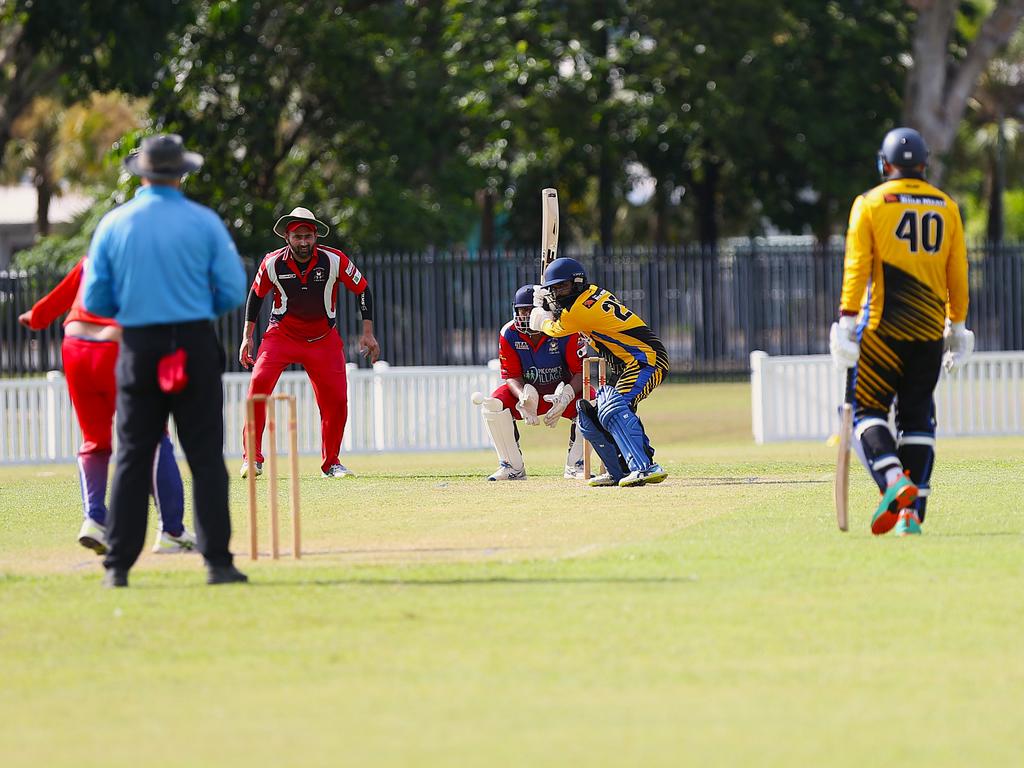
(619, 335)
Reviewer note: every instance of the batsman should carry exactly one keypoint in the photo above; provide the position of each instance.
(905, 275)
(621, 337)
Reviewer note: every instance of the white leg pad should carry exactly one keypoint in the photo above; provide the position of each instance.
(575, 452)
(501, 428)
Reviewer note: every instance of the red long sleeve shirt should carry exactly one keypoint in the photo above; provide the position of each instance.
(67, 295)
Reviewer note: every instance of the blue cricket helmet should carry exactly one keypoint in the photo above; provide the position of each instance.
(563, 269)
(524, 298)
(904, 148)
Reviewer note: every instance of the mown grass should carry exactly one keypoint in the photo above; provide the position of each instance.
(718, 618)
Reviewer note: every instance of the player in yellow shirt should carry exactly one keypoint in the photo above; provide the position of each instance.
(902, 317)
(633, 352)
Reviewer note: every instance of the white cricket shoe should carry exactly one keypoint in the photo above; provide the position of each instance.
(574, 471)
(602, 481)
(339, 470)
(244, 471)
(654, 474)
(93, 536)
(505, 472)
(166, 544)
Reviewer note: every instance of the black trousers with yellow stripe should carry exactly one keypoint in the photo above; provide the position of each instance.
(637, 380)
(907, 372)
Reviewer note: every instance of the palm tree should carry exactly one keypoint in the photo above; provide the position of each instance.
(57, 147)
(31, 154)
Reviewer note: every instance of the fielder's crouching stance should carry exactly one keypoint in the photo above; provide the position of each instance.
(303, 279)
(542, 376)
(906, 264)
(619, 335)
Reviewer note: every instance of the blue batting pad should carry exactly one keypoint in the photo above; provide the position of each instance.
(603, 443)
(615, 415)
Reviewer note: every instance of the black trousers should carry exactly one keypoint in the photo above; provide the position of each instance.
(142, 411)
(905, 370)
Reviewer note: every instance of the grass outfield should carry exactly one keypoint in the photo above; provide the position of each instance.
(716, 619)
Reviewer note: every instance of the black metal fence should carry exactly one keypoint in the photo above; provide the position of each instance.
(710, 307)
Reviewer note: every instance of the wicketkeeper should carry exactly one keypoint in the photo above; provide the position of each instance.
(542, 378)
(620, 336)
(905, 273)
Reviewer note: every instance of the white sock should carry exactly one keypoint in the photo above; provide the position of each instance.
(892, 474)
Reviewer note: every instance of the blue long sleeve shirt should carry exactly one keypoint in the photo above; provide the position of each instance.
(162, 258)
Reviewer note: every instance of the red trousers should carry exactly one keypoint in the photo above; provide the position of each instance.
(511, 402)
(324, 362)
(89, 370)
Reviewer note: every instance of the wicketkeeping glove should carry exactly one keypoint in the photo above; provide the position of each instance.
(528, 402)
(957, 345)
(560, 400)
(843, 344)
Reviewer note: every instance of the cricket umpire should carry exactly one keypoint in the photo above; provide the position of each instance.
(164, 267)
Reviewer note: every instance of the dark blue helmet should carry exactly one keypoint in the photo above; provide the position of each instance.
(524, 298)
(563, 269)
(903, 148)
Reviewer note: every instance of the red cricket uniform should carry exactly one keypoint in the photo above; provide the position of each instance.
(539, 360)
(88, 365)
(89, 370)
(302, 331)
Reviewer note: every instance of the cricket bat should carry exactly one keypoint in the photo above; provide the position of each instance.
(549, 228)
(842, 485)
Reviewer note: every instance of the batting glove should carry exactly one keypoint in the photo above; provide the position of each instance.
(843, 344)
(958, 346)
(560, 400)
(538, 317)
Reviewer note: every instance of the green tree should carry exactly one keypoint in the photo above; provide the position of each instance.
(952, 44)
(68, 48)
(348, 112)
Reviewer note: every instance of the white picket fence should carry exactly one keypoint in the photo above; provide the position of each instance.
(389, 409)
(797, 398)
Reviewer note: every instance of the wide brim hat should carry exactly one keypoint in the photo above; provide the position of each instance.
(303, 215)
(163, 158)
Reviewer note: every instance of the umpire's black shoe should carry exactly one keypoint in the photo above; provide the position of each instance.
(115, 577)
(224, 574)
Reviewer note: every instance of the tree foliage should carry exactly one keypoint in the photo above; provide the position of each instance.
(69, 48)
(416, 123)
(953, 43)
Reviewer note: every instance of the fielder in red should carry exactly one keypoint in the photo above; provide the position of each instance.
(89, 351)
(303, 278)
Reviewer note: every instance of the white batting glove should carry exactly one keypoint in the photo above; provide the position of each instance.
(958, 343)
(560, 400)
(528, 402)
(542, 297)
(538, 317)
(843, 344)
